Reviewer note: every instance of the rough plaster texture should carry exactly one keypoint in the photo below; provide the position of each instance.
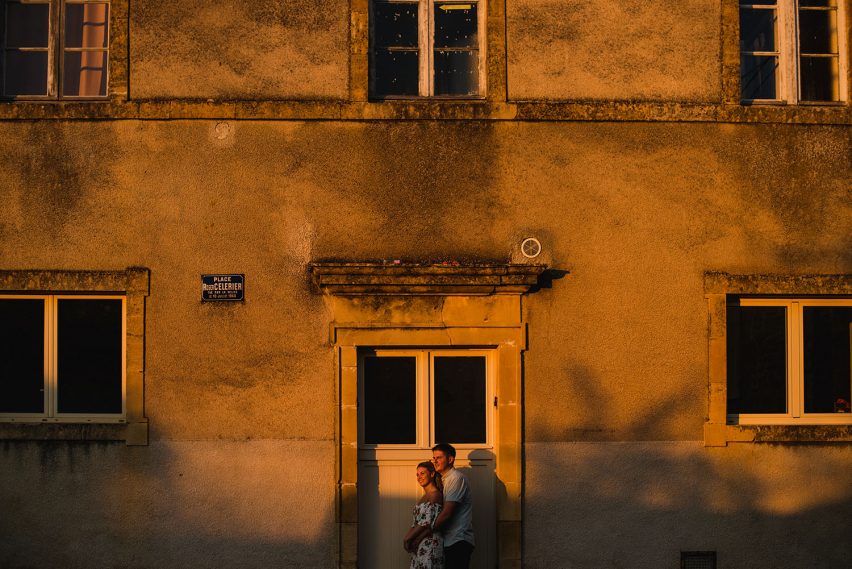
(637, 216)
(622, 337)
(205, 504)
(617, 347)
(638, 505)
(614, 49)
(227, 49)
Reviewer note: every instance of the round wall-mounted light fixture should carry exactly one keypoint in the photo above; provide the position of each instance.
(530, 248)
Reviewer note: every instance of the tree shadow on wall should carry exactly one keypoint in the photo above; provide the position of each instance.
(637, 503)
(199, 504)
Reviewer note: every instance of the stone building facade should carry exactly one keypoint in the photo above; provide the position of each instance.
(684, 228)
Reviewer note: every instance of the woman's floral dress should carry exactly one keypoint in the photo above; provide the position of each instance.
(430, 552)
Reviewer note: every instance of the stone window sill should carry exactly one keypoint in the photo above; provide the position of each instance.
(721, 435)
(130, 433)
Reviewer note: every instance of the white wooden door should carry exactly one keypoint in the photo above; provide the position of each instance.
(409, 400)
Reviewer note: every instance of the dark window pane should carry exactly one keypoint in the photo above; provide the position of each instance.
(27, 24)
(25, 73)
(820, 3)
(761, 2)
(817, 31)
(827, 337)
(460, 399)
(456, 72)
(757, 30)
(819, 76)
(89, 366)
(86, 25)
(394, 25)
(390, 400)
(758, 76)
(455, 25)
(396, 73)
(21, 356)
(757, 359)
(85, 74)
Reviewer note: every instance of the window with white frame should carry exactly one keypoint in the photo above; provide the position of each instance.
(62, 358)
(54, 49)
(792, 51)
(789, 360)
(426, 48)
(424, 397)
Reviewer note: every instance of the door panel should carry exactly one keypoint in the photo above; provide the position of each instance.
(388, 490)
(454, 393)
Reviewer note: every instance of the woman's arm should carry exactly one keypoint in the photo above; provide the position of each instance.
(406, 541)
(438, 498)
(414, 536)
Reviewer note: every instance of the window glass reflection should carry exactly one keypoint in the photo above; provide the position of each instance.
(85, 74)
(456, 73)
(759, 76)
(396, 73)
(455, 25)
(89, 356)
(818, 3)
(459, 399)
(27, 24)
(395, 25)
(818, 31)
(86, 25)
(757, 30)
(390, 400)
(22, 356)
(25, 73)
(819, 79)
(757, 359)
(827, 338)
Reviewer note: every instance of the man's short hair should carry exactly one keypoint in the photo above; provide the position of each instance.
(445, 448)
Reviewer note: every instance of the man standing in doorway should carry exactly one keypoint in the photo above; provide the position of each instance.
(455, 521)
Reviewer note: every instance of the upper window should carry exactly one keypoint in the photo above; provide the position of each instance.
(62, 358)
(789, 360)
(54, 48)
(426, 48)
(791, 51)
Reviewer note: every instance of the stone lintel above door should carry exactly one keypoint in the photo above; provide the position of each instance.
(359, 279)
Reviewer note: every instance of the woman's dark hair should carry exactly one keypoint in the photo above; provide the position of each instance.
(431, 468)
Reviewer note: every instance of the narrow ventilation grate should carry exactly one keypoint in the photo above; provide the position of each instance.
(697, 560)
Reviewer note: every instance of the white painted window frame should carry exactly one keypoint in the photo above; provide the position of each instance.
(425, 395)
(51, 327)
(56, 51)
(426, 47)
(787, 50)
(795, 368)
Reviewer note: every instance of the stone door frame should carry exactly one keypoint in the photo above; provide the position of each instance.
(376, 306)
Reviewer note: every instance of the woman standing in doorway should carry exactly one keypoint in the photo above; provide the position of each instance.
(426, 552)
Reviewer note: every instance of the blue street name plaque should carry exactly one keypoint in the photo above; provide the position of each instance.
(222, 287)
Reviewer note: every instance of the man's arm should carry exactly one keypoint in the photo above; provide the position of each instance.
(445, 515)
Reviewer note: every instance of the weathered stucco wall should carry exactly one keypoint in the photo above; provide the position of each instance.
(227, 49)
(205, 504)
(617, 347)
(614, 50)
(635, 212)
(638, 505)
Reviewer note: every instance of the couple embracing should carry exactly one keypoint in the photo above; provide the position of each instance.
(441, 536)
